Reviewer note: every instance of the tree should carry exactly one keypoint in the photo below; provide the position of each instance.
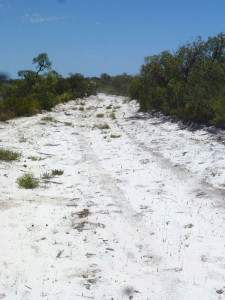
(42, 62)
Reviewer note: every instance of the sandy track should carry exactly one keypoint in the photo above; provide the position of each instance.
(132, 217)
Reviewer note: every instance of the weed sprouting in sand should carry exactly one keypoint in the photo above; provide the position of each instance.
(57, 172)
(46, 175)
(101, 126)
(28, 181)
(9, 155)
(49, 119)
(34, 158)
(22, 139)
(113, 116)
(113, 136)
(68, 124)
(100, 115)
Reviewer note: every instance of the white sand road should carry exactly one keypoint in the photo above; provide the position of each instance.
(139, 212)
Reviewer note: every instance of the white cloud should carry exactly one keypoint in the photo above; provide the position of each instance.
(4, 7)
(97, 23)
(37, 18)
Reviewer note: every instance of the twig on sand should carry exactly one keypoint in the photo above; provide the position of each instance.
(59, 253)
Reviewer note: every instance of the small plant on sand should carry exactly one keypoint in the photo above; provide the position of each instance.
(90, 107)
(113, 116)
(34, 158)
(113, 136)
(81, 108)
(50, 119)
(126, 100)
(109, 106)
(46, 175)
(8, 155)
(22, 139)
(101, 126)
(57, 172)
(68, 124)
(28, 181)
(100, 115)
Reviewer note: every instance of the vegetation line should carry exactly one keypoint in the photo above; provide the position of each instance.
(190, 83)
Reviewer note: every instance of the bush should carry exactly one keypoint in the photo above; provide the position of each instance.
(187, 83)
(23, 106)
(28, 181)
(65, 97)
(48, 100)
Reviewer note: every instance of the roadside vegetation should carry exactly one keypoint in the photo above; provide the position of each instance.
(39, 90)
(114, 85)
(188, 84)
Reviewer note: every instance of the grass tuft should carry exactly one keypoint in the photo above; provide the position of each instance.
(100, 115)
(102, 126)
(22, 139)
(28, 181)
(8, 155)
(46, 175)
(68, 124)
(113, 116)
(34, 158)
(50, 119)
(113, 136)
(57, 172)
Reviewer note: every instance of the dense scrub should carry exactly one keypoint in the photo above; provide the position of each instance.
(189, 83)
(40, 90)
(114, 85)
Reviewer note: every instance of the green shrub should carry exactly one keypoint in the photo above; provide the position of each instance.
(219, 108)
(48, 100)
(8, 155)
(65, 97)
(28, 181)
(23, 106)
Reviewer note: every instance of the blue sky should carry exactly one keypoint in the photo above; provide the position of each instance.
(100, 36)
